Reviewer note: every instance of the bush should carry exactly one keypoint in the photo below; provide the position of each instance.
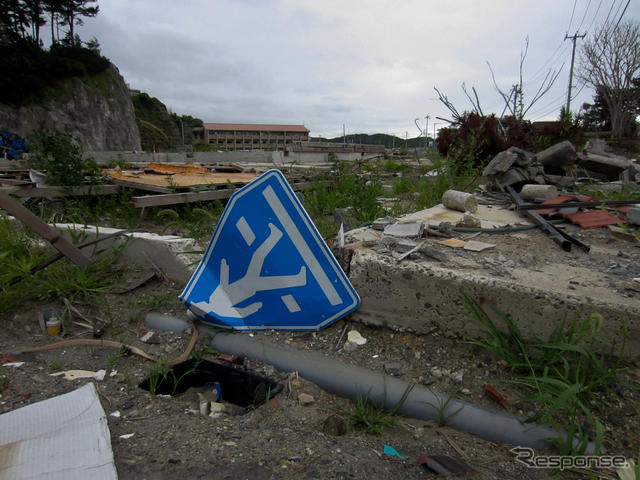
(60, 156)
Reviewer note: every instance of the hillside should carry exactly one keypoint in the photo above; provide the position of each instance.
(160, 129)
(389, 141)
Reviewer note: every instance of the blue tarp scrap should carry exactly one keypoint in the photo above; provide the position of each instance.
(13, 145)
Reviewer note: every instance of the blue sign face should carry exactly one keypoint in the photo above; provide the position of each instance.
(267, 267)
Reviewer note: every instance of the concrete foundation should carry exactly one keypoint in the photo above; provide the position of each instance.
(525, 275)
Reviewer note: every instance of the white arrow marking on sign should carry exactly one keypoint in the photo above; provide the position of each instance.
(226, 294)
(309, 258)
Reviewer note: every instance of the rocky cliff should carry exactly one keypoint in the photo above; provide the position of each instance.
(97, 111)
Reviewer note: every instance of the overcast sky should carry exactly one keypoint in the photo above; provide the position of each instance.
(370, 65)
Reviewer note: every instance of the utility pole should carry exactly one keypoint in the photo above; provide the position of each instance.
(434, 132)
(573, 54)
(426, 130)
(344, 136)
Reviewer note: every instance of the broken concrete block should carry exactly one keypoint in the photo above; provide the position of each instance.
(405, 230)
(469, 220)
(403, 245)
(381, 223)
(506, 159)
(305, 399)
(558, 158)
(612, 167)
(531, 192)
(633, 215)
(461, 201)
(476, 246)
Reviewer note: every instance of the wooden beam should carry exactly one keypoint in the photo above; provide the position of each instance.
(175, 198)
(32, 192)
(140, 186)
(188, 197)
(43, 229)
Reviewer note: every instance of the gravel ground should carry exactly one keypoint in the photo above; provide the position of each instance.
(286, 437)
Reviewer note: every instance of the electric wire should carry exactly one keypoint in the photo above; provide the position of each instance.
(584, 16)
(622, 14)
(594, 17)
(572, 12)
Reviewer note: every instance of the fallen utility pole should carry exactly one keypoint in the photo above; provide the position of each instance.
(561, 238)
(544, 206)
(43, 229)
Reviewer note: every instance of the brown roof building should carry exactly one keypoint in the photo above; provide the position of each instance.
(243, 136)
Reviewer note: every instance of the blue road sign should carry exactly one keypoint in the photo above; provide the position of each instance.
(267, 267)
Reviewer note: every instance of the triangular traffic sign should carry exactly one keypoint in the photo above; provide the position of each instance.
(267, 267)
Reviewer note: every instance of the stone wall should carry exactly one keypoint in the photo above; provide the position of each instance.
(101, 115)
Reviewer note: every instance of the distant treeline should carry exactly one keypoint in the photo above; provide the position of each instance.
(389, 141)
(31, 70)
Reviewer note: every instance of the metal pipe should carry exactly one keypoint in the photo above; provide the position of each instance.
(351, 381)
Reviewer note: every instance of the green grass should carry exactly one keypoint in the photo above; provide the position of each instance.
(353, 190)
(565, 377)
(21, 251)
(368, 416)
(5, 378)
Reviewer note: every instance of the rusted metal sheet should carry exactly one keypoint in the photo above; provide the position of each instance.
(43, 229)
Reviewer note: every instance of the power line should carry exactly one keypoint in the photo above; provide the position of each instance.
(572, 12)
(608, 14)
(584, 16)
(622, 15)
(594, 16)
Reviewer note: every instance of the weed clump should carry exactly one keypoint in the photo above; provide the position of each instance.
(563, 376)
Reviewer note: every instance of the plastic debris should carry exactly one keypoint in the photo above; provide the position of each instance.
(127, 436)
(74, 374)
(354, 337)
(491, 392)
(388, 450)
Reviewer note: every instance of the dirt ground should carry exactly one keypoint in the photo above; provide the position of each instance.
(156, 437)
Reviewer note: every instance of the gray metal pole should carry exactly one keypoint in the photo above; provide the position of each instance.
(573, 54)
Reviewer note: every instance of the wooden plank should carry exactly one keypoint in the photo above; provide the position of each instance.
(43, 229)
(14, 181)
(140, 186)
(188, 197)
(84, 190)
(175, 198)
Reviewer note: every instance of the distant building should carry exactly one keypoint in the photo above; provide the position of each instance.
(242, 136)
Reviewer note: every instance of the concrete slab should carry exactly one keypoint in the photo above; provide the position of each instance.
(525, 274)
(491, 217)
(143, 248)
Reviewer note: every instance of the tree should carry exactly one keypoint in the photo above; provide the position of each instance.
(72, 11)
(596, 115)
(514, 101)
(609, 61)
